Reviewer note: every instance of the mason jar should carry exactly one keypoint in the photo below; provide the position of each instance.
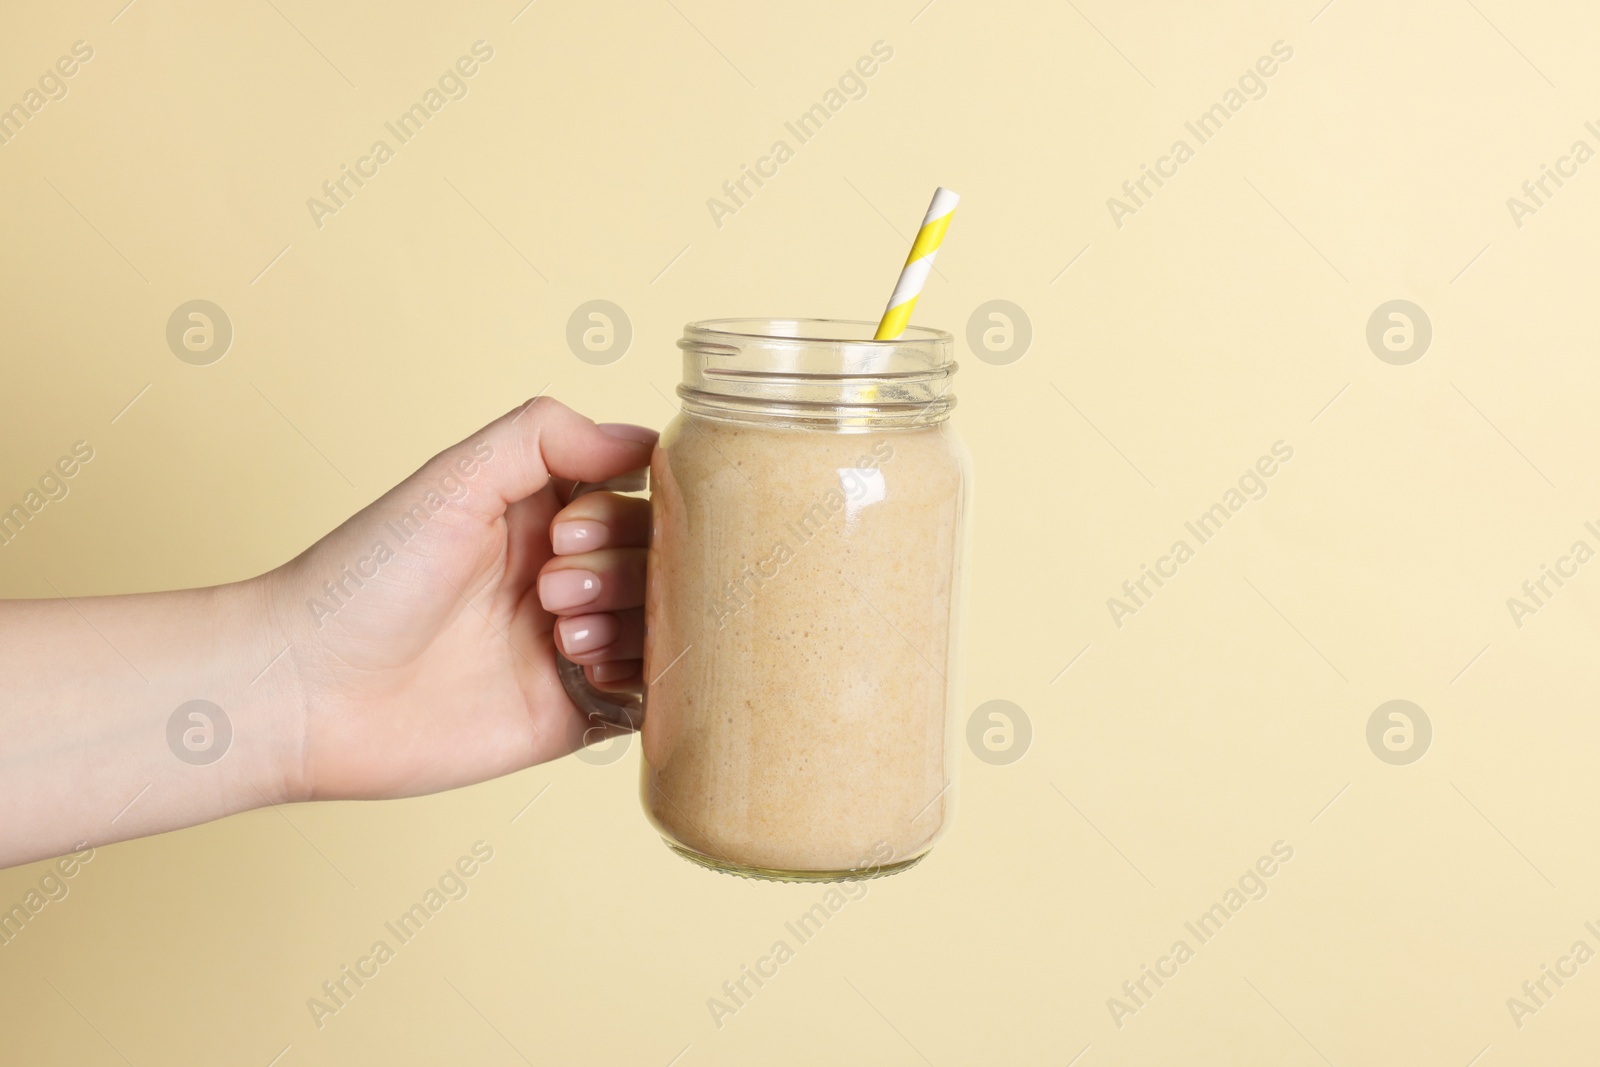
(803, 602)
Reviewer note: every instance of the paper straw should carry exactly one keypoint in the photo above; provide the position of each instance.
(918, 264)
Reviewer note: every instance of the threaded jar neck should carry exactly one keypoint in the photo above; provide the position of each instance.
(823, 373)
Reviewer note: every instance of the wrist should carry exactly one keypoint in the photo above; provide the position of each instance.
(268, 688)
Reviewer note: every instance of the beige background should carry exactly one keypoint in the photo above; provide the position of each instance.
(1228, 313)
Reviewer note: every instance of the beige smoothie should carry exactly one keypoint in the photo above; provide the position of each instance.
(801, 602)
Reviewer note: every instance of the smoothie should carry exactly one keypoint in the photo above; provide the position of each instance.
(801, 599)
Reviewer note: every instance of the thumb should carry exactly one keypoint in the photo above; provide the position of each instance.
(523, 449)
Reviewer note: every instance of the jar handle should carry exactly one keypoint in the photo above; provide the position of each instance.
(624, 709)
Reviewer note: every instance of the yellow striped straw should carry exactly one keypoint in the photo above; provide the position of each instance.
(918, 264)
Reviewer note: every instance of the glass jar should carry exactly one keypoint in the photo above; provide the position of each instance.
(803, 601)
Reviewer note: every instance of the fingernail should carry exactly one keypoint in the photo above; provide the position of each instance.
(586, 633)
(583, 535)
(628, 432)
(560, 590)
(615, 670)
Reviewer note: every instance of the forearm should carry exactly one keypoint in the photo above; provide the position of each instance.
(90, 688)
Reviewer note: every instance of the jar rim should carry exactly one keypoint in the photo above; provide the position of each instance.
(814, 331)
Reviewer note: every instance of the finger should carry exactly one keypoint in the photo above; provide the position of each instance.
(616, 675)
(600, 520)
(527, 543)
(602, 637)
(607, 580)
(545, 438)
(561, 727)
(522, 451)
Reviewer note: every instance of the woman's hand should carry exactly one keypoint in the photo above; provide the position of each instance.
(422, 632)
